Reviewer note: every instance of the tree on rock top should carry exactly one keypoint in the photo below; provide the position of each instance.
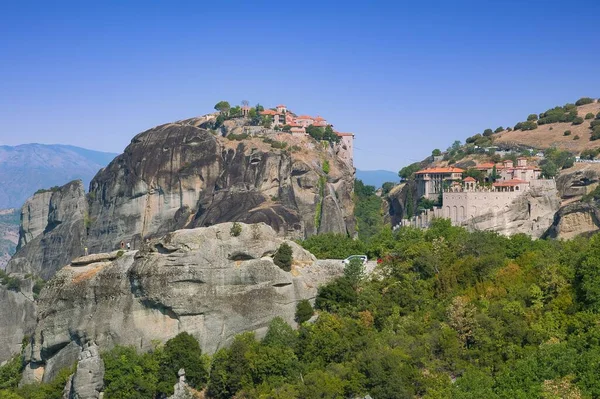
(223, 107)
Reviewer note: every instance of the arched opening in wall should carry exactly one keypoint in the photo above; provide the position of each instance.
(455, 213)
(463, 213)
(447, 212)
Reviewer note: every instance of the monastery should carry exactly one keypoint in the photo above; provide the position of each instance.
(465, 199)
(282, 116)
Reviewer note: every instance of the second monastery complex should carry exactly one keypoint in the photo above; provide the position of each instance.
(465, 199)
(281, 116)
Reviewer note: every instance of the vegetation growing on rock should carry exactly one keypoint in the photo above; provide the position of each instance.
(284, 257)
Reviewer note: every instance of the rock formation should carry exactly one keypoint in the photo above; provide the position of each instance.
(531, 213)
(182, 176)
(576, 215)
(17, 320)
(88, 380)
(204, 281)
(52, 231)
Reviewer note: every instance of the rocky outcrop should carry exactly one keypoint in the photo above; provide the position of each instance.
(204, 281)
(52, 231)
(181, 390)
(575, 219)
(17, 320)
(88, 380)
(34, 217)
(531, 213)
(182, 176)
(577, 215)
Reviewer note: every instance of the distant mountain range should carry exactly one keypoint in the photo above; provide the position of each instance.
(26, 168)
(377, 177)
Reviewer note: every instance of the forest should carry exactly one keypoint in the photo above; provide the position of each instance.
(447, 314)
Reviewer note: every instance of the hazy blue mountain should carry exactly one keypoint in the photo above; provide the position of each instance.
(26, 168)
(377, 177)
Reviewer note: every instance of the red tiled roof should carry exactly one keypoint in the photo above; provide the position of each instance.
(487, 165)
(304, 117)
(268, 112)
(510, 183)
(281, 106)
(344, 134)
(318, 118)
(440, 170)
(469, 179)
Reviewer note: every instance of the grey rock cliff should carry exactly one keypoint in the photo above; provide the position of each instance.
(204, 281)
(52, 231)
(532, 213)
(34, 217)
(88, 380)
(576, 217)
(181, 176)
(17, 319)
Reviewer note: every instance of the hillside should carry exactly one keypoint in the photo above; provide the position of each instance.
(552, 134)
(28, 167)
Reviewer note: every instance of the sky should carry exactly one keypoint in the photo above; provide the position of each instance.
(406, 77)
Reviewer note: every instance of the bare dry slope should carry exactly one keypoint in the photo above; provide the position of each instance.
(552, 135)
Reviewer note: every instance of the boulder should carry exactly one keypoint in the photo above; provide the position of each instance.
(48, 244)
(210, 281)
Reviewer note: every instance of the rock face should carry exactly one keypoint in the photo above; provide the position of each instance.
(531, 214)
(52, 231)
(576, 217)
(182, 176)
(34, 217)
(204, 281)
(17, 319)
(88, 380)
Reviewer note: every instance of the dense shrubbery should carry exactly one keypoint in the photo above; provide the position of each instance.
(584, 101)
(555, 160)
(498, 129)
(590, 115)
(567, 133)
(450, 314)
(367, 210)
(529, 125)
(327, 134)
(133, 375)
(595, 133)
(589, 153)
(284, 257)
(558, 114)
(577, 120)
(408, 172)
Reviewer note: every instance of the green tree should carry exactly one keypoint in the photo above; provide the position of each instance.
(304, 311)
(284, 257)
(354, 272)
(181, 352)
(10, 373)
(128, 374)
(407, 172)
(223, 107)
(584, 101)
(436, 153)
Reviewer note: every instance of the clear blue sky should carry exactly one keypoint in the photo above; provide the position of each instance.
(404, 77)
